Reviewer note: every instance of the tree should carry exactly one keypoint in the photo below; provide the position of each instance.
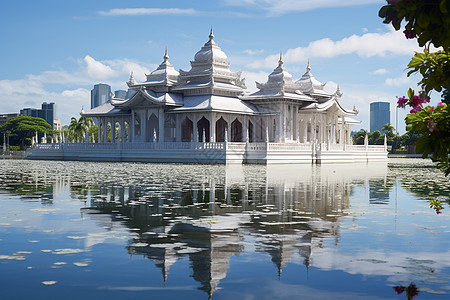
(358, 138)
(21, 129)
(79, 127)
(429, 22)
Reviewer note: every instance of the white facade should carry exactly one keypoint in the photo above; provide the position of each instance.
(205, 115)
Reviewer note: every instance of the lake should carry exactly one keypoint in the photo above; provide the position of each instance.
(71, 230)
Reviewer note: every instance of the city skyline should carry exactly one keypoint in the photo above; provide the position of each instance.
(61, 52)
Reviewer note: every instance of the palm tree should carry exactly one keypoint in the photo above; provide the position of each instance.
(388, 129)
(80, 127)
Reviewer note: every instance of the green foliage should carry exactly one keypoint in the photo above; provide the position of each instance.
(428, 20)
(78, 128)
(93, 131)
(436, 205)
(434, 69)
(434, 123)
(358, 138)
(21, 129)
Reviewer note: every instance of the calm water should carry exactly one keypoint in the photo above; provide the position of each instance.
(76, 230)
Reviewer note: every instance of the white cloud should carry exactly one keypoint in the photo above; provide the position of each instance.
(148, 11)
(17, 94)
(96, 69)
(366, 45)
(251, 77)
(399, 81)
(253, 52)
(279, 7)
(379, 72)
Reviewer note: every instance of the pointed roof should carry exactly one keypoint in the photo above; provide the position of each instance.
(210, 73)
(280, 79)
(164, 75)
(143, 94)
(329, 104)
(308, 84)
(279, 85)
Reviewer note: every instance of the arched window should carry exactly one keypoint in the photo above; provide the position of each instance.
(126, 134)
(152, 132)
(137, 124)
(236, 131)
(108, 128)
(203, 130)
(169, 128)
(186, 130)
(117, 132)
(221, 125)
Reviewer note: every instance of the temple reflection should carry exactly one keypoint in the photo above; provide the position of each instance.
(287, 211)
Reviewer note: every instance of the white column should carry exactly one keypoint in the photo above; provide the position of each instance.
(143, 115)
(194, 128)
(212, 127)
(132, 133)
(99, 130)
(161, 124)
(105, 130)
(177, 128)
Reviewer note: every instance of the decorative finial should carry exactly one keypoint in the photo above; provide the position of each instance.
(338, 91)
(211, 34)
(131, 81)
(308, 68)
(166, 57)
(280, 62)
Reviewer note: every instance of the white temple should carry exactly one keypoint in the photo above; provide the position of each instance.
(205, 115)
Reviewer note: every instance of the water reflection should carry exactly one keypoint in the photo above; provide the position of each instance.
(284, 211)
(346, 219)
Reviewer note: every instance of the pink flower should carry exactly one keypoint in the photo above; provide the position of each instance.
(401, 102)
(440, 104)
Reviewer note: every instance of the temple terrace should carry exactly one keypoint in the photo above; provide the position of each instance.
(206, 115)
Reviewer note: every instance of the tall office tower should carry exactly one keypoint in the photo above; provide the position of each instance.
(100, 94)
(380, 115)
(47, 112)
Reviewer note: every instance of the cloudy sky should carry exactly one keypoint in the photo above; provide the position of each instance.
(55, 51)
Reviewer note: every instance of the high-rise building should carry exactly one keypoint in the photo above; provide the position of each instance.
(121, 94)
(6, 117)
(100, 94)
(47, 112)
(380, 115)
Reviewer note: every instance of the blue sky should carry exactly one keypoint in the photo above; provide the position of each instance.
(55, 51)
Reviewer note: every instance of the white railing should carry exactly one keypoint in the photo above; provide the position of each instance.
(208, 145)
(290, 147)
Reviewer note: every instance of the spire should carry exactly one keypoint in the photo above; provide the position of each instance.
(131, 81)
(211, 34)
(308, 68)
(166, 56)
(280, 62)
(211, 38)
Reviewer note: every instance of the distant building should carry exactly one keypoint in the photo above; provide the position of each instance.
(121, 94)
(56, 124)
(380, 115)
(47, 112)
(6, 117)
(100, 94)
